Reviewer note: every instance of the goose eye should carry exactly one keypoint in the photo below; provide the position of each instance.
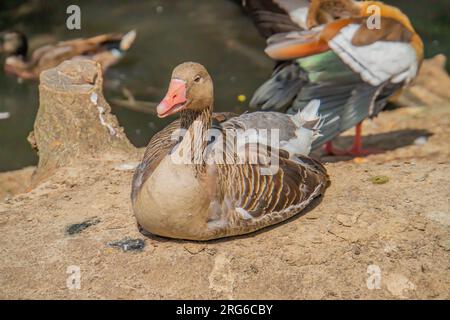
(197, 79)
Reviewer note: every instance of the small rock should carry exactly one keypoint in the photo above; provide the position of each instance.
(440, 217)
(445, 244)
(253, 268)
(421, 178)
(222, 278)
(128, 244)
(344, 220)
(420, 141)
(380, 179)
(356, 250)
(420, 226)
(399, 285)
(79, 227)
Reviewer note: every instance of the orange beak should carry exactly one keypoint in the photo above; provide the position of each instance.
(175, 99)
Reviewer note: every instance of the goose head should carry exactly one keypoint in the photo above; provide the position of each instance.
(13, 43)
(190, 88)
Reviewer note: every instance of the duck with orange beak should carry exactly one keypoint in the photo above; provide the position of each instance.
(175, 100)
(351, 55)
(205, 197)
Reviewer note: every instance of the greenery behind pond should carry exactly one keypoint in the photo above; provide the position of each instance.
(213, 32)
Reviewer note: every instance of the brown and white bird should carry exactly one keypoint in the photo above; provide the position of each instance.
(107, 49)
(334, 51)
(197, 186)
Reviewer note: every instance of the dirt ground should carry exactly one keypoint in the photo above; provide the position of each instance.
(381, 231)
(362, 240)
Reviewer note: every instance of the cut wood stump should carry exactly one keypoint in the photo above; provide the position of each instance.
(74, 121)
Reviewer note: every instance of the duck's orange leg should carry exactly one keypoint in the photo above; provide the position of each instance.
(356, 150)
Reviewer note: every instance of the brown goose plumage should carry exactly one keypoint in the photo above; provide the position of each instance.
(206, 197)
(107, 49)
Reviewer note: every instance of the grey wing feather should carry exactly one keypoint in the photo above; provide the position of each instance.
(264, 121)
(279, 92)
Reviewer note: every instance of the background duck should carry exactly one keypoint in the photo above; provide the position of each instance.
(326, 50)
(206, 198)
(107, 49)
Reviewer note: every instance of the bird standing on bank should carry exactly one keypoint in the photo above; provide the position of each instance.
(351, 55)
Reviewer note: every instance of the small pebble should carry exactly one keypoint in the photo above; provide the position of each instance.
(380, 179)
(445, 244)
(420, 141)
(440, 217)
(344, 220)
(356, 250)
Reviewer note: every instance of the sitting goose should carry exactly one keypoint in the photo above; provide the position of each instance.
(202, 197)
(333, 50)
(107, 49)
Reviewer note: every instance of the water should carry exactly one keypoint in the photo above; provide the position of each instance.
(213, 32)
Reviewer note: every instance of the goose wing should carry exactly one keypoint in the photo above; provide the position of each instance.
(249, 198)
(264, 180)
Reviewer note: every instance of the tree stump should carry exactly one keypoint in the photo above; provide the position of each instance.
(74, 121)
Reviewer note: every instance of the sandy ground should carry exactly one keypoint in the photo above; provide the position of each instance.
(363, 240)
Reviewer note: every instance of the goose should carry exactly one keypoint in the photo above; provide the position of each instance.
(335, 51)
(192, 185)
(107, 49)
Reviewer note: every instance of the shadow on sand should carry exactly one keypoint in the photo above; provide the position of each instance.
(382, 141)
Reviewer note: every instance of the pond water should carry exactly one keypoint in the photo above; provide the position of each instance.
(215, 33)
